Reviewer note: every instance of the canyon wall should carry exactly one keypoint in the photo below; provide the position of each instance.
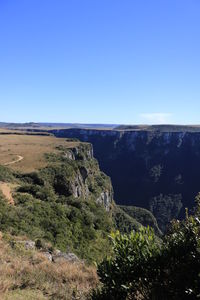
(157, 170)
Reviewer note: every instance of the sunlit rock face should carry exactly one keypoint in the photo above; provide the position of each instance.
(88, 180)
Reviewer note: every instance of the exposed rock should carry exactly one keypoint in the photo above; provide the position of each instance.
(28, 245)
(105, 199)
(69, 154)
(65, 256)
(48, 255)
(83, 152)
(77, 187)
(56, 252)
(87, 180)
(84, 173)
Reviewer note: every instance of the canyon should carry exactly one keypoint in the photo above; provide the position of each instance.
(154, 168)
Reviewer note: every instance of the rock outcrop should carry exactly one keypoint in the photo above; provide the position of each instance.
(88, 179)
(74, 172)
(56, 256)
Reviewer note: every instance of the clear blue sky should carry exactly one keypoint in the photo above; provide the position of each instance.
(100, 61)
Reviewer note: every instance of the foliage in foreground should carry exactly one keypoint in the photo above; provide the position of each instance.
(141, 268)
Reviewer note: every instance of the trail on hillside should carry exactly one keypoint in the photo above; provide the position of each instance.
(14, 161)
(6, 189)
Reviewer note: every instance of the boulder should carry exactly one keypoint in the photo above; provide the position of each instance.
(28, 245)
(71, 257)
(48, 255)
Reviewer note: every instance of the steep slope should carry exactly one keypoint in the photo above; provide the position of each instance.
(142, 216)
(123, 221)
(67, 202)
(156, 168)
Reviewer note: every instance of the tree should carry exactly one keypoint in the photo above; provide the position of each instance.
(144, 268)
(123, 275)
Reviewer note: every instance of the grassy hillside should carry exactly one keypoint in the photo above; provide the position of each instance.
(64, 201)
(31, 147)
(29, 275)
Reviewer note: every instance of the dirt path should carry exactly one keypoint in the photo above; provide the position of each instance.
(14, 161)
(6, 189)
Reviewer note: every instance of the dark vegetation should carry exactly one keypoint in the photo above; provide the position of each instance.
(123, 221)
(143, 216)
(142, 267)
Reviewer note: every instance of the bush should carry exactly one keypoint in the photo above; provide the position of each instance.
(6, 174)
(47, 207)
(140, 267)
(64, 226)
(39, 244)
(121, 275)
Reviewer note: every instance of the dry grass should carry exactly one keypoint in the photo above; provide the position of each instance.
(31, 147)
(29, 275)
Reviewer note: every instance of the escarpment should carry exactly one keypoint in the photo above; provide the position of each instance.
(158, 169)
(86, 179)
(74, 173)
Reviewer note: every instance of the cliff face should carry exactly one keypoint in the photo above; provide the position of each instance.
(89, 180)
(156, 170)
(79, 176)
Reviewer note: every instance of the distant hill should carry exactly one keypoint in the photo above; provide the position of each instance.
(55, 125)
(115, 127)
(161, 128)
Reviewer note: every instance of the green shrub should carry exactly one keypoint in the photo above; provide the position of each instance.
(46, 208)
(142, 216)
(140, 267)
(69, 228)
(121, 273)
(39, 244)
(6, 174)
